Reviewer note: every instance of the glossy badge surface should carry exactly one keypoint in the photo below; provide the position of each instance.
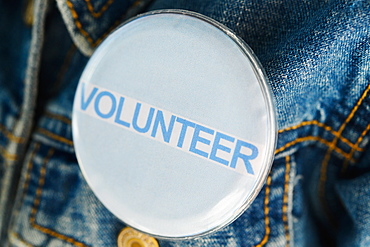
(173, 124)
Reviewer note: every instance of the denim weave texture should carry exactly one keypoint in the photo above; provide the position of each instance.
(316, 55)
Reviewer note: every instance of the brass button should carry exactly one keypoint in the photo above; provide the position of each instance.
(129, 237)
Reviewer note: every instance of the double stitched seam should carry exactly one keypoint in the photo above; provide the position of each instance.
(268, 184)
(78, 24)
(337, 134)
(82, 30)
(29, 169)
(285, 201)
(331, 147)
(279, 150)
(359, 140)
(101, 11)
(266, 200)
(325, 127)
(266, 211)
(36, 204)
(311, 138)
(35, 149)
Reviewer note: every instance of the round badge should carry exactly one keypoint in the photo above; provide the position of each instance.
(174, 125)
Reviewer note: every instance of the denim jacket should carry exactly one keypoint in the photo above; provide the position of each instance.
(317, 57)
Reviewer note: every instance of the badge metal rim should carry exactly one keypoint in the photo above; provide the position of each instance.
(270, 105)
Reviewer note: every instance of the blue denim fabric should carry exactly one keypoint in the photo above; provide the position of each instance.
(317, 57)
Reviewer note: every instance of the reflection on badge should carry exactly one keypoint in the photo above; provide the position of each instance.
(174, 125)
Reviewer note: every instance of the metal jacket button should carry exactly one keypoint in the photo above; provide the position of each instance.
(129, 237)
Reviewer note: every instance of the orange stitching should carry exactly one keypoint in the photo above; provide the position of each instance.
(57, 235)
(311, 138)
(266, 211)
(101, 38)
(78, 23)
(10, 135)
(25, 186)
(115, 24)
(6, 155)
(285, 200)
(36, 204)
(332, 146)
(101, 11)
(29, 169)
(58, 117)
(86, 34)
(327, 128)
(313, 122)
(54, 136)
(359, 140)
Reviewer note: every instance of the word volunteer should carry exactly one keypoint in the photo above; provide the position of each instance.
(165, 127)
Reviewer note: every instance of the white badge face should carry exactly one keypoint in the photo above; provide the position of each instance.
(173, 124)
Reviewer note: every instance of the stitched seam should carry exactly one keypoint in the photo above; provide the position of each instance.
(266, 212)
(279, 150)
(327, 128)
(311, 138)
(359, 140)
(41, 183)
(29, 169)
(296, 141)
(331, 147)
(78, 23)
(58, 235)
(36, 204)
(54, 136)
(58, 117)
(35, 149)
(10, 135)
(6, 155)
(86, 34)
(15, 235)
(101, 11)
(285, 201)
